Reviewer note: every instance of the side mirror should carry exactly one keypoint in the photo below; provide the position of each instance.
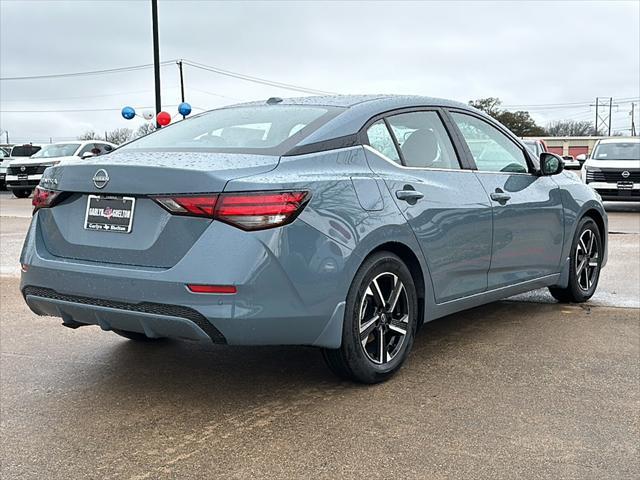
(550, 164)
(581, 158)
(87, 155)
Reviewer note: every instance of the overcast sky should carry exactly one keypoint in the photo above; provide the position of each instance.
(535, 55)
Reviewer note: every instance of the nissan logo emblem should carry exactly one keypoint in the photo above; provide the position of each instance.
(23, 168)
(101, 178)
(625, 174)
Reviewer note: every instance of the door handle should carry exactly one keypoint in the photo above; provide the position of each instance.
(409, 195)
(500, 197)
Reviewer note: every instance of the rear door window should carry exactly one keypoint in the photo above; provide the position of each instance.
(423, 140)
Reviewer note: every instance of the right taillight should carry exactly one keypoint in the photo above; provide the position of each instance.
(248, 211)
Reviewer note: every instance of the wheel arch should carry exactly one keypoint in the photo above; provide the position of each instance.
(411, 260)
(599, 219)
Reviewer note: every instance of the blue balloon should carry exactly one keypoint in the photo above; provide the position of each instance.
(184, 109)
(128, 113)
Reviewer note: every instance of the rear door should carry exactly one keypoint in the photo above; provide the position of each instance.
(527, 209)
(445, 204)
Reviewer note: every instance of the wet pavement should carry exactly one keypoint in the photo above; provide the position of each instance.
(515, 389)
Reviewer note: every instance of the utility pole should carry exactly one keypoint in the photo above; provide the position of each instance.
(610, 105)
(603, 115)
(181, 84)
(156, 57)
(596, 124)
(633, 123)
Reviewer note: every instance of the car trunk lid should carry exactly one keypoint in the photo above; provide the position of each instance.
(157, 238)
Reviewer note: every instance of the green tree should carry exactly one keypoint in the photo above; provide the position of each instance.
(520, 122)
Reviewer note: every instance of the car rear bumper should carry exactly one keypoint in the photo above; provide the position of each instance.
(282, 297)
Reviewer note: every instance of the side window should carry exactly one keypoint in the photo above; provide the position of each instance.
(380, 139)
(492, 150)
(423, 140)
(87, 148)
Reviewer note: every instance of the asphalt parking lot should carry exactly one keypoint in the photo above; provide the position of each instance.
(524, 388)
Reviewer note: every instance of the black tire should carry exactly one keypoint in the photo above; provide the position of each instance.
(22, 192)
(354, 360)
(575, 292)
(135, 336)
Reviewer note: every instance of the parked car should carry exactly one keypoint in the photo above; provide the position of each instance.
(536, 146)
(571, 163)
(4, 160)
(613, 169)
(340, 222)
(23, 175)
(16, 153)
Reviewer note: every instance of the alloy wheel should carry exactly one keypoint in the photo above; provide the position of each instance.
(587, 260)
(384, 318)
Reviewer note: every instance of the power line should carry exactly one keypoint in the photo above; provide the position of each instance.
(82, 97)
(75, 110)
(86, 73)
(250, 78)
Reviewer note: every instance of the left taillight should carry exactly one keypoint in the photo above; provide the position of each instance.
(245, 210)
(43, 198)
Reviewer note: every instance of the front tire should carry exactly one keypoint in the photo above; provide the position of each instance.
(22, 193)
(585, 264)
(380, 321)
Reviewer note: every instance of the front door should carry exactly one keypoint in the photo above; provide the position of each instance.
(445, 205)
(527, 208)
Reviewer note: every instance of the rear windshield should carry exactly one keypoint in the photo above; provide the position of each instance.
(269, 129)
(57, 150)
(24, 150)
(617, 151)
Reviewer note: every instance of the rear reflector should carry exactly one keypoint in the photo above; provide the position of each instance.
(248, 211)
(218, 289)
(43, 198)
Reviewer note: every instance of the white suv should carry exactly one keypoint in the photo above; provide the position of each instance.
(613, 169)
(24, 175)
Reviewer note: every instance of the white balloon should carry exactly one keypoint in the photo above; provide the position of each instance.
(147, 115)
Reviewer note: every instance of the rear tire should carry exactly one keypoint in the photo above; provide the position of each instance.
(380, 321)
(585, 264)
(135, 336)
(22, 193)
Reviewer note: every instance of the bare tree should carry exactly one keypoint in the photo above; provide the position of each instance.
(570, 128)
(119, 135)
(89, 135)
(144, 129)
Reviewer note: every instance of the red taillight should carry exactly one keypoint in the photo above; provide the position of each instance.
(43, 198)
(216, 289)
(248, 211)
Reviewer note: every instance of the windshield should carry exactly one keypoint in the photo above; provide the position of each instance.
(617, 151)
(24, 150)
(259, 129)
(57, 150)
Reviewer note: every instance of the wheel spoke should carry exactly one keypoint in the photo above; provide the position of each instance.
(395, 295)
(367, 328)
(381, 345)
(581, 266)
(377, 293)
(592, 242)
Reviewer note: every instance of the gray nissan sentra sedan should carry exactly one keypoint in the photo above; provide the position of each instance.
(340, 222)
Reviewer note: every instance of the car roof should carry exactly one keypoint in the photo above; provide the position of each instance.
(621, 140)
(358, 109)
